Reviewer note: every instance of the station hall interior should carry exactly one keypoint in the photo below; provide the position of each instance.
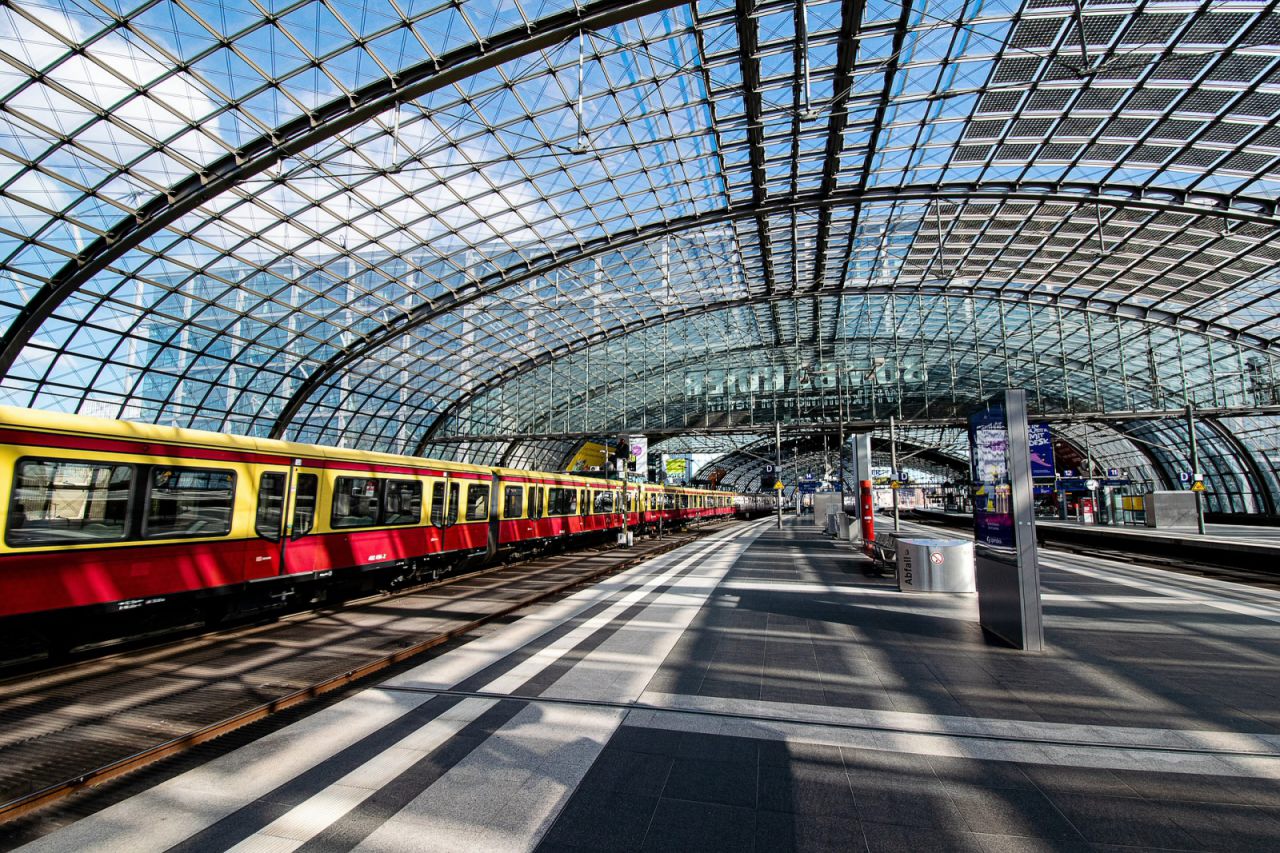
(588, 425)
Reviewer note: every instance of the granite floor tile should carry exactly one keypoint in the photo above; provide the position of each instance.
(1124, 821)
(900, 838)
(731, 783)
(788, 832)
(681, 825)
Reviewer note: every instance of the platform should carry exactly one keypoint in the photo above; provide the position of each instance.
(1255, 548)
(757, 690)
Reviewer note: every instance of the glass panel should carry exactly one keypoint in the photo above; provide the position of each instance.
(67, 502)
(355, 502)
(304, 505)
(189, 502)
(270, 506)
(513, 501)
(477, 502)
(603, 502)
(402, 502)
(562, 501)
(437, 504)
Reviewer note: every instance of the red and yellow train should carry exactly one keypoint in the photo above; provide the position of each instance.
(114, 516)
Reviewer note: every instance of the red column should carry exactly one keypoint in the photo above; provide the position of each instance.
(868, 519)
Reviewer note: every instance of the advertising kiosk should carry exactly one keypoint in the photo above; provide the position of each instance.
(1004, 534)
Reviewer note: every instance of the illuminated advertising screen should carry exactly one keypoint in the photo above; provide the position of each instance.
(992, 507)
(1040, 444)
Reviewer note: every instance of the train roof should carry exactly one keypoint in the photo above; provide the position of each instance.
(86, 425)
(69, 424)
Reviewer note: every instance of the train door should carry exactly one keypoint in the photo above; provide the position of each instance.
(264, 555)
(444, 512)
(495, 518)
(301, 552)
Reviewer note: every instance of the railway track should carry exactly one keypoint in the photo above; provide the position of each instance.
(80, 725)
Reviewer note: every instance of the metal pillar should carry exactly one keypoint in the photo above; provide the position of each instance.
(777, 466)
(1195, 468)
(893, 468)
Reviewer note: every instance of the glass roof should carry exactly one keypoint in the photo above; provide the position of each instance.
(374, 224)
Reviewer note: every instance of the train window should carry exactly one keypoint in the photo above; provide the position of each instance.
(513, 502)
(304, 505)
(402, 502)
(562, 501)
(58, 501)
(355, 502)
(603, 502)
(437, 503)
(477, 502)
(270, 505)
(584, 501)
(535, 502)
(189, 502)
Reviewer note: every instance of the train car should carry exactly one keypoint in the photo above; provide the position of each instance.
(117, 517)
(749, 506)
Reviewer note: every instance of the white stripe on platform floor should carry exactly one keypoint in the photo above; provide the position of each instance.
(294, 828)
(1112, 747)
(564, 743)
(446, 671)
(506, 793)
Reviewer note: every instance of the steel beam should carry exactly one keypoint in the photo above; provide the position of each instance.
(1073, 193)
(302, 133)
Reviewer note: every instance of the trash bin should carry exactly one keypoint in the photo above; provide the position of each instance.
(935, 565)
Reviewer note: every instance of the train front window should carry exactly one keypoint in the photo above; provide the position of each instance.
(65, 502)
(355, 502)
(270, 505)
(304, 505)
(402, 502)
(189, 502)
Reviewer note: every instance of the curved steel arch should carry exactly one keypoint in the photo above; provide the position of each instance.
(299, 134)
(1091, 306)
(643, 375)
(1115, 195)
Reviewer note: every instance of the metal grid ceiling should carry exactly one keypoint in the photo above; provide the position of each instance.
(287, 220)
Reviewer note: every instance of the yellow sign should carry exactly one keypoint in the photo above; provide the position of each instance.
(1197, 486)
(895, 485)
(778, 485)
(591, 455)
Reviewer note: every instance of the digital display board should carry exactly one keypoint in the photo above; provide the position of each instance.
(1006, 569)
(992, 509)
(1040, 445)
